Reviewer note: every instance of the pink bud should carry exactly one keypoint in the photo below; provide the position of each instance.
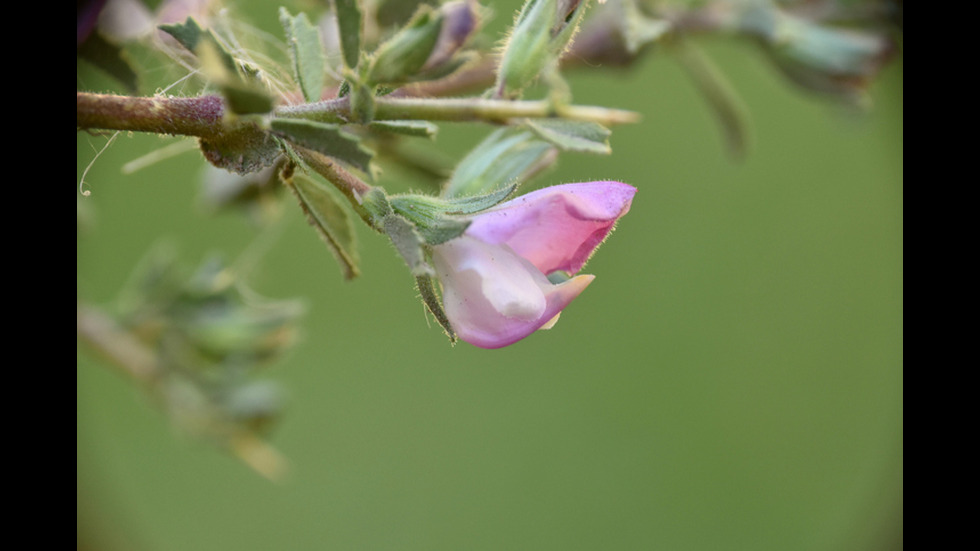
(494, 277)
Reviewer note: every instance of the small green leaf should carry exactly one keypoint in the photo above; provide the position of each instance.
(424, 129)
(327, 212)
(501, 159)
(349, 26)
(581, 136)
(306, 53)
(325, 138)
(408, 242)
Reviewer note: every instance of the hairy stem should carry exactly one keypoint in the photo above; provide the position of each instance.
(200, 116)
(203, 116)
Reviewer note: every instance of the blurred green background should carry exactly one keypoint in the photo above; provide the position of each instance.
(732, 380)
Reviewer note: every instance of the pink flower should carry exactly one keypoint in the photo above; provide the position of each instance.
(494, 277)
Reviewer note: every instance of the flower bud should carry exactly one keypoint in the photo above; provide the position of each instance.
(426, 44)
(495, 283)
(460, 21)
(544, 28)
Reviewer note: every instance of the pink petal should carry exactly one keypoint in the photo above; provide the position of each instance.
(556, 228)
(493, 297)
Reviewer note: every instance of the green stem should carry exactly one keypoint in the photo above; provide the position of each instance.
(457, 109)
(203, 116)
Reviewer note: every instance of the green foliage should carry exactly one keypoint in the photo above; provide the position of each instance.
(579, 136)
(195, 339)
(243, 90)
(209, 334)
(327, 211)
(328, 139)
(242, 150)
(306, 53)
(350, 24)
(502, 158)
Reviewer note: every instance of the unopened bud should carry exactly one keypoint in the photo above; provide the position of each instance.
(543, 31)
(459, 21)
(404, 55)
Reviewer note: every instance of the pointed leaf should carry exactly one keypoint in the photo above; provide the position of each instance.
(325, 138)
(306, 53)
(499, 160)
(349, 25)
(582, 136)
(326, 210)
(431, 300)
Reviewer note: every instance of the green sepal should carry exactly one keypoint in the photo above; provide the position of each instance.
(502, 158)
(305, 52)
(580, 136)
(430, 298)
(327, 211)
(325, 138)
(408, 242)
(430, 218)
(440, 219)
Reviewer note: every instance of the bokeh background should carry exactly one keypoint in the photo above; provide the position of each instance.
(732, 380)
